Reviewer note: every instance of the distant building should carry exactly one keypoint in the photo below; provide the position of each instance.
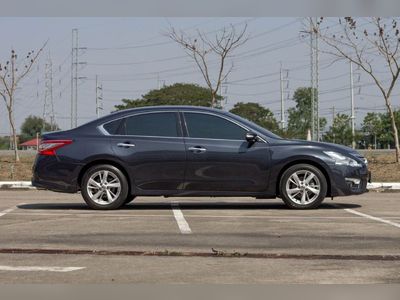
(30, 145)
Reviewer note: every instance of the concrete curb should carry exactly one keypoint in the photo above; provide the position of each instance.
(10, 185)
(4, 185)
(384, 185)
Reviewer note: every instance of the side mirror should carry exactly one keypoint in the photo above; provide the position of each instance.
(251, 138)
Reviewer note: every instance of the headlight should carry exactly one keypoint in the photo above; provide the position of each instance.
(342, 160)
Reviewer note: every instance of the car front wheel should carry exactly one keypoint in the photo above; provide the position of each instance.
(104, 187)
(303, 186)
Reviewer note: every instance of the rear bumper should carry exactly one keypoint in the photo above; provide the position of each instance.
(53, 186)
(52, 174)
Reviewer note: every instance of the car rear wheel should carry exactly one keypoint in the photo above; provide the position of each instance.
(303, 186)
(104, 187)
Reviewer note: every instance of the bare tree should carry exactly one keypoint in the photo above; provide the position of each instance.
(369, 45)
(11, 74)
(200, 47)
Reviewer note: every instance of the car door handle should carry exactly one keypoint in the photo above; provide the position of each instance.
(125, 145)
(197, 149)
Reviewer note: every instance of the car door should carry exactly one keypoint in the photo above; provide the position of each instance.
(219, 158)
(151, 146)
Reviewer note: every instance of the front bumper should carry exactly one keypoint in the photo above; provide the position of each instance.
(349, 180)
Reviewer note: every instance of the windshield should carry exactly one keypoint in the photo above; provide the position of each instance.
(255, 126)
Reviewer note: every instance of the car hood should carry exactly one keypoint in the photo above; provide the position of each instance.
(323, 146)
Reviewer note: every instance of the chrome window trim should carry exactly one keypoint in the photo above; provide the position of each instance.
(103, 131)
(223, 117)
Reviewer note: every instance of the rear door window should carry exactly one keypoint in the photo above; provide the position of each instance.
(152, 124)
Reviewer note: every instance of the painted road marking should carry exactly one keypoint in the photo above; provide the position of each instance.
(180, 219)
(354, 212)
(40, 269)
(6, 211)
(372, 217)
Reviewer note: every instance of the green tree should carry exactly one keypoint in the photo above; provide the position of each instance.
(299, 117)
(386, 137)
(256, 113)
(372, 128)
(176, 94)
(4, 142)
(377, 129)
(33, 125)
(340, 132)
(370, 44)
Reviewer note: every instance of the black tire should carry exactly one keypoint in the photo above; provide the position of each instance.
(123, 193)
(299, 168)
(129, 199)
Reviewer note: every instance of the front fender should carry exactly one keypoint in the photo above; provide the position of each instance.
(281, 161)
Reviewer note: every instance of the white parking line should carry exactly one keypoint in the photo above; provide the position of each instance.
(11, 209)
(352, 211)
(6, 211)
(39, 269)
(180, 219)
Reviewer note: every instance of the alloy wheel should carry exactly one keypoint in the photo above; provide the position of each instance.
(104, 187)
(303, 187)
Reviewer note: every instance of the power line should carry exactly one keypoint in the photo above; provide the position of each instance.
(246, 54)
(160, 43)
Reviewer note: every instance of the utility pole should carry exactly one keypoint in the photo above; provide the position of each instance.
(353, 142)
(74, 72)
(74, 77)
(99, 98)
(333, 122)
(159, 81)
(314, 76)
(282, 100)
(283, 79)
(316, 101)
(38, 100)
(312, 79)
(48, 96)
(224, 93)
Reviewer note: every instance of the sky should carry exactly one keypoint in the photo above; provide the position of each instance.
(131, 56)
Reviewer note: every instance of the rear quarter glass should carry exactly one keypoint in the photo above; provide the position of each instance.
(112, 127)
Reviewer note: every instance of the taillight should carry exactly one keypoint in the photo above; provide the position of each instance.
(49, 147)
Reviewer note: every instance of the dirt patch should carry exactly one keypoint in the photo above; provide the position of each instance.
(10, 170)
(383, 168)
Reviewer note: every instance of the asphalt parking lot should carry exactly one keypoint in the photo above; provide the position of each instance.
(47, 237)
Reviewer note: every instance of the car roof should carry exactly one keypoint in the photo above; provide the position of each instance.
(126, 112)
(171, 107)
(166, 108)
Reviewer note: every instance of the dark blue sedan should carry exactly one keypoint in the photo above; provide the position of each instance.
(192, 151)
